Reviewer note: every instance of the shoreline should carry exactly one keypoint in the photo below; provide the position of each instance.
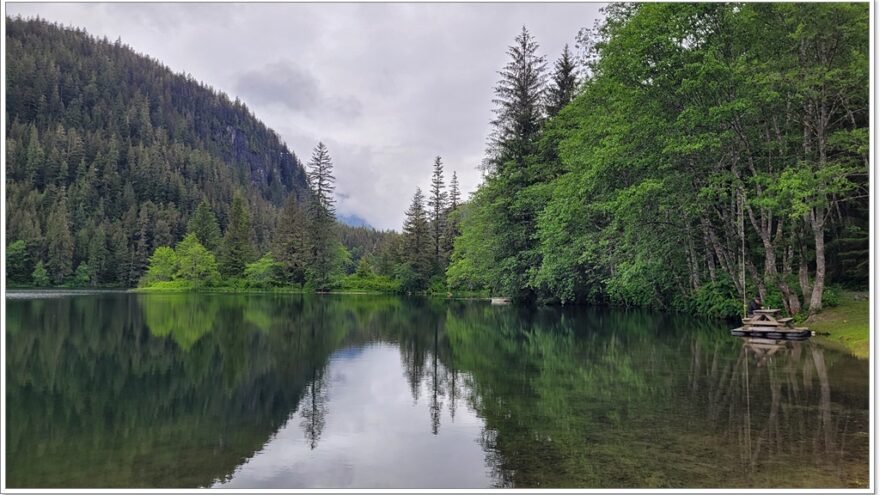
(848, 323)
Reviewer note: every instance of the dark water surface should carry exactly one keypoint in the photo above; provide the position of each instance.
(285, 391)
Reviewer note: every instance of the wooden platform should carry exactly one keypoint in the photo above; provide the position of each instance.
(773, 333)
(763, 323)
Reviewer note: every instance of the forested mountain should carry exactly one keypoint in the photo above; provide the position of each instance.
(701, 132)
(109, 153)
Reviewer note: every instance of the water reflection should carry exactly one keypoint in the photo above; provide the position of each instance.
(275, 391)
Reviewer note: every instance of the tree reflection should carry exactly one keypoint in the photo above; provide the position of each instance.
(569, 398)
(313, 409)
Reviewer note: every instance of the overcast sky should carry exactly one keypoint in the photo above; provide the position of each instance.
(385, 86)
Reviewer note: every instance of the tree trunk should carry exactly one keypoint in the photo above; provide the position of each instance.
(793, 305)
(817, 220)
(693, 263)
(804, 275)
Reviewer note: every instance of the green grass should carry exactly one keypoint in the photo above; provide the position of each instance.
(848, 323)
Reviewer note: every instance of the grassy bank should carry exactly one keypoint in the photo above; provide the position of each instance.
(848, 323)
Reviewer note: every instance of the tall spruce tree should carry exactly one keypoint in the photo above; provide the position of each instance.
(204, 225)
(237, 250)
(291, 242)
(519, 99)
(417, 250)
(454, 192)
(437, 206)
(451, 228)
(60, 242)
(564, 83)
(519, 105)
(322, 219)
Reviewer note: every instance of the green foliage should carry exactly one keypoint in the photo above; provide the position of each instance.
(417, 248)
(324, 251)
(364, 269)
(204, 225)
(291, 245)
(83, 275)
(195, 264)
(831, 297)
(237, 249)
(40, 276)
(18, 262)
(630, 194)
(263, 273)
(163, 266)
(60, 242)
(715, 299)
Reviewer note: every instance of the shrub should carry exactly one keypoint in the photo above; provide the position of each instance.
(263, 273)
(40, 276)
(831, 296)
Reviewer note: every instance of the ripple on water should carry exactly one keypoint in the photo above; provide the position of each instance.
(55, 293)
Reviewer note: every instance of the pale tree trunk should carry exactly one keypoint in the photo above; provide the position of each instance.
(817, 221)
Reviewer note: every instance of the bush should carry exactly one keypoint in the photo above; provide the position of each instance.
(18, 266)
(715, 299)
(263, 273)
(831, 296)
(437, 286)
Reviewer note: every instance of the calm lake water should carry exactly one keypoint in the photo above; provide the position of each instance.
(286, 391)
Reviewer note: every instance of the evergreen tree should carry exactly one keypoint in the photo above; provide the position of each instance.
(321, 212)
(417, 250)
(437, 205)
(40, 276)
(98, 254)
(451, 229)
(321, 181)
(564, 83)
(291, 243)
(508, 251)
(60, 242)
(237, 250)
(454, 192)
(82, 276)
(204, 225)
(519, 109)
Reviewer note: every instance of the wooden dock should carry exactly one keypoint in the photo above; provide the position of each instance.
(764, 323)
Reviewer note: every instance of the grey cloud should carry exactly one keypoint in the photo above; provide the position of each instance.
(285, 84)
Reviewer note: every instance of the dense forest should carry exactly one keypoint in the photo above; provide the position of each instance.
(110, 155)
(678, 137)
(682, 156)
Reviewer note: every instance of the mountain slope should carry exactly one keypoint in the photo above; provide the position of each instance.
(109, 153)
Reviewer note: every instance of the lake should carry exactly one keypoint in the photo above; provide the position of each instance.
(115, 389)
